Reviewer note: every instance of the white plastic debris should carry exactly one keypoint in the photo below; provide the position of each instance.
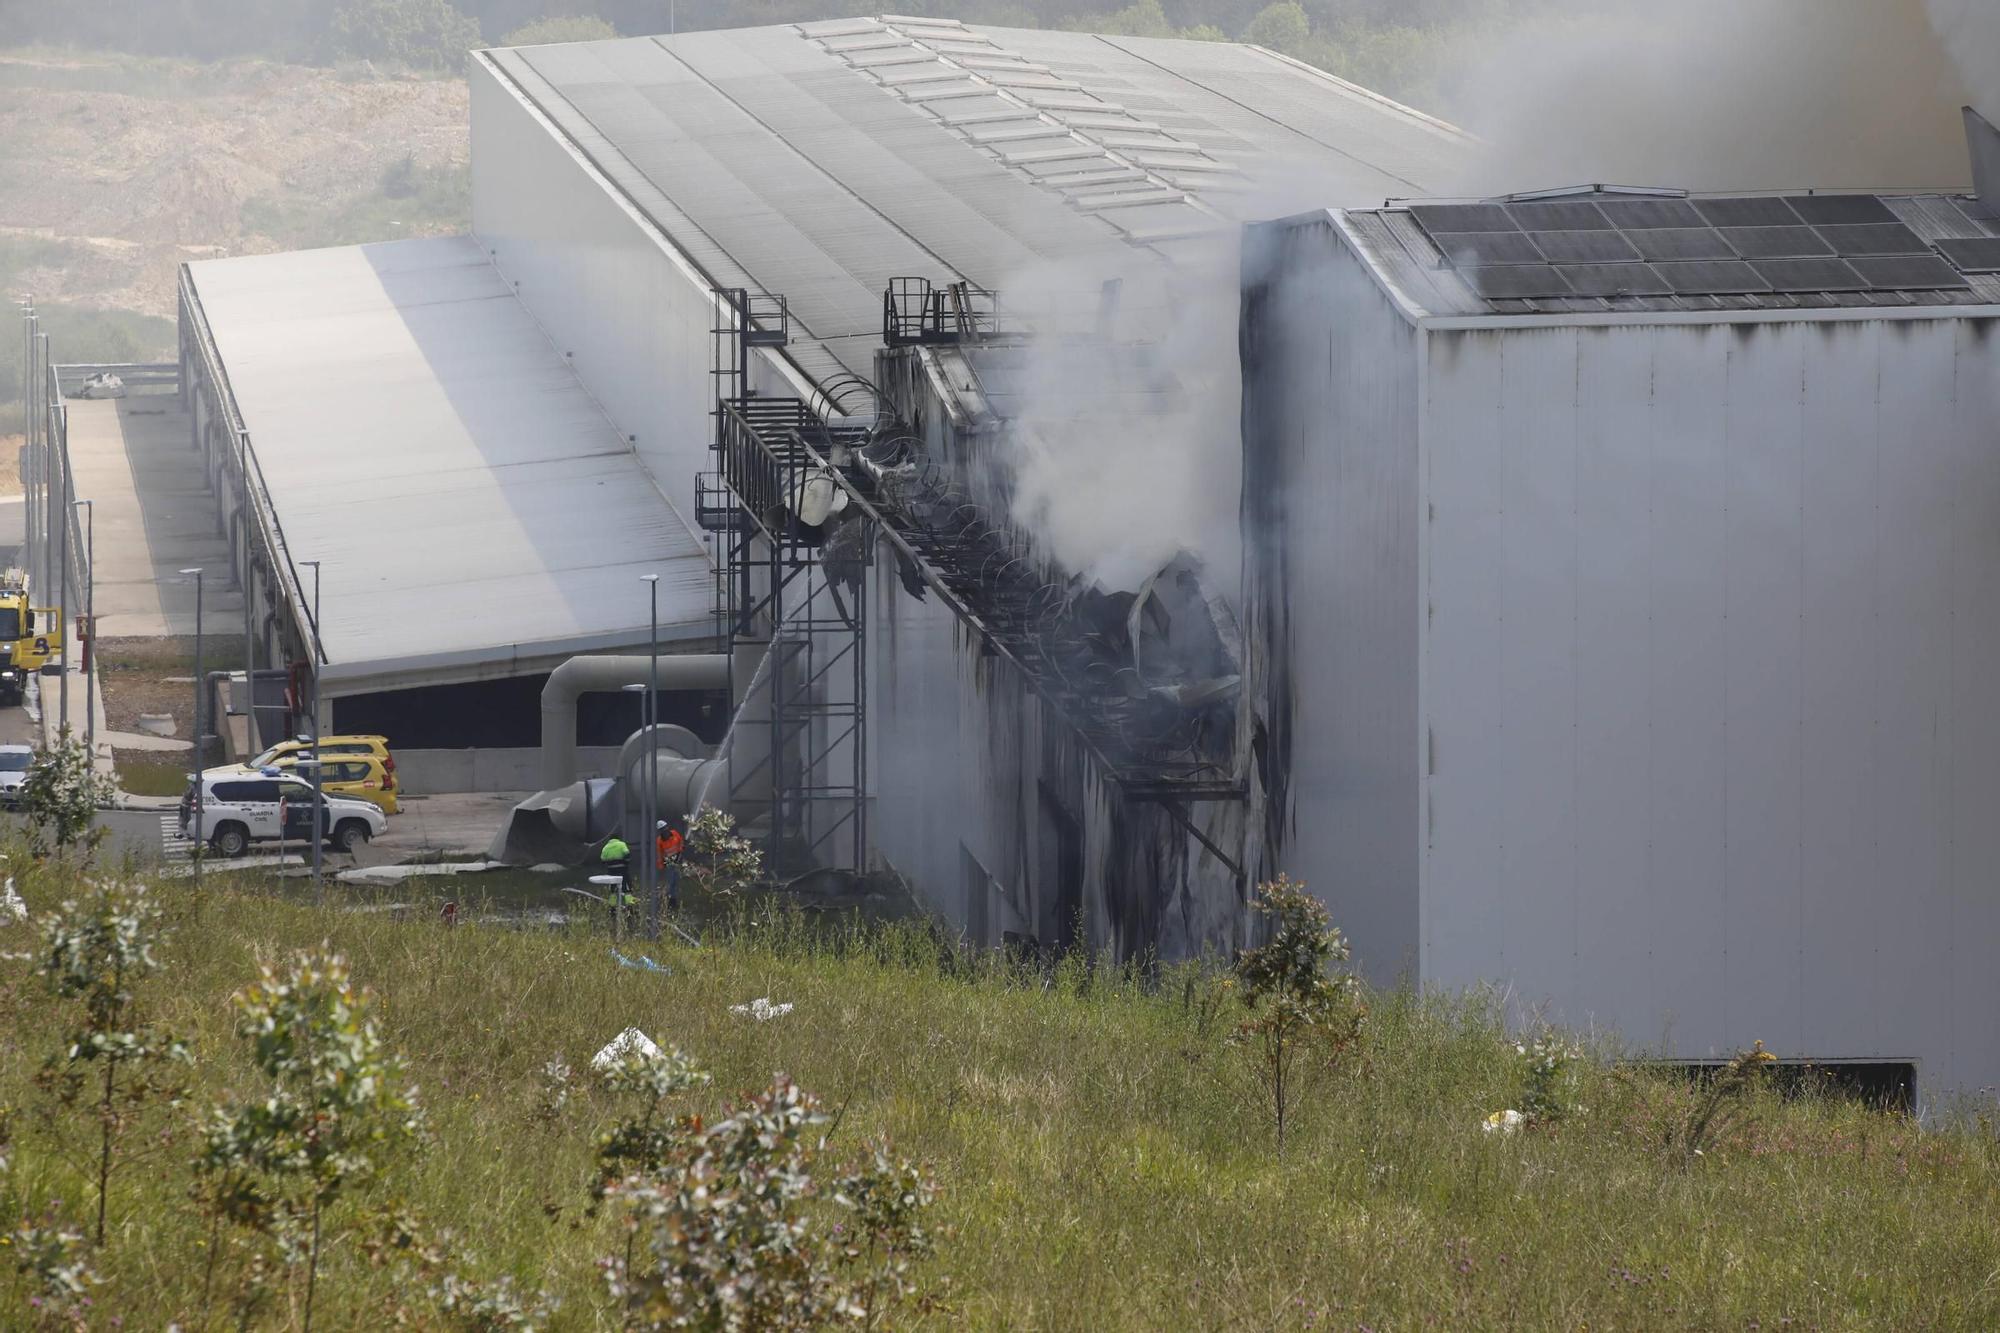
(1503, 1122)
(12, 909)
(628, 1042)
(103, 384)
(760, 1009)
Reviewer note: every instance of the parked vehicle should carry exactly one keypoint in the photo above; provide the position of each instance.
(239, 808)
(377, 784)
(358, 777)
(15, 762)
(329, 747)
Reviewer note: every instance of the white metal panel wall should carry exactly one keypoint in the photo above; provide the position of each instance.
(1331, 580)
(1710, 674)
(635, 323)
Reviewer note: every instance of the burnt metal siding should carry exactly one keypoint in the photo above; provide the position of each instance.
(1709, 672)
(1330, 522)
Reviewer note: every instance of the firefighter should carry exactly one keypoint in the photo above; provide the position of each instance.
(667, 846)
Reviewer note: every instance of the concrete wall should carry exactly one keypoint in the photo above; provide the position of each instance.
(428, 772)
(1709, 671)
(1330, 523)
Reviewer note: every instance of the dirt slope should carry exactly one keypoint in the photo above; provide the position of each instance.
(114, 170)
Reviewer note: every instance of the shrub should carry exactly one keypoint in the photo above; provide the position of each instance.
(332, 1109)
(421, 34)
(1553, 1077)
(562, 28)
(719, 861)
(736, 1233)
(1295, 1006)
(63, 793)
(94, 953)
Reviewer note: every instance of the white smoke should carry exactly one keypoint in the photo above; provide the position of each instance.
(1971, 33)
(1728, 94)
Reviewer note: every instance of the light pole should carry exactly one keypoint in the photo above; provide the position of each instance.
(250, 738)
(648, 717)
(62, 512)
(200, 832)
(90, 618)
(318, 833)
(636, 839)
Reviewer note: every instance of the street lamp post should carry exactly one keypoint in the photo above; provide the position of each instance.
(318, 832)
(62, 512)
(649, 717)
(90, 618)
(200, 832)
(244, 580)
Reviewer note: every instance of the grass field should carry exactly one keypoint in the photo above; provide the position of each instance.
(1102, 1156)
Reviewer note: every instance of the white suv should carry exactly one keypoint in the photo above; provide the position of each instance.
(240, 808)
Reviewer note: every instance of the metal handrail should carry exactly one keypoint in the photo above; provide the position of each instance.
(273, 529)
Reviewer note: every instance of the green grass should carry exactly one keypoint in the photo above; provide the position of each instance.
(152, 777)
(1102, 1157)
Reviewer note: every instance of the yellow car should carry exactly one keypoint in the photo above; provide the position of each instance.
(359, 777)
(330, 747)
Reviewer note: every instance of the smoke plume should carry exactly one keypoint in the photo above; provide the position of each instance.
(1729, 94)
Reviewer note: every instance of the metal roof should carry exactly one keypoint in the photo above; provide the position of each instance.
(1668, 251)
(418, 434)
(822, 159)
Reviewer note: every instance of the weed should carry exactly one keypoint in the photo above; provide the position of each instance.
(62, 795)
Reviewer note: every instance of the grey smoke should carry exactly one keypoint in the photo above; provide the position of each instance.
(1729, 94)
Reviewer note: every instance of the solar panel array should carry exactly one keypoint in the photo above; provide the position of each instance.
(1749, 245)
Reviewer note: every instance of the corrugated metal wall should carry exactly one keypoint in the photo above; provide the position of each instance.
(1711, 675)
(1330, 583)
(635, 322)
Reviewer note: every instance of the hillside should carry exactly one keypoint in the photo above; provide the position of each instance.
(1101, 1154)
(116, 169)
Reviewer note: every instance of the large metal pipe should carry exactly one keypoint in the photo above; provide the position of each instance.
(685, 778)
(587, 675)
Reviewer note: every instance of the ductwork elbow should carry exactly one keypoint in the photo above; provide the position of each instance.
(590, 675)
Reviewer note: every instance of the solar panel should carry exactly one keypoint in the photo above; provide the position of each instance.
(1810, 275)
(1584, 247)
(1841, 208)
(1438, 218)
(1515, 281)
(1487, 247)
(1764, 211)
(1643, 214)
(1712, 277)
(1776, 242)
(1614, 280)
(1910, 273)
(1981, 255)
(1874, 239)
(1559, 215)
(1683, 243)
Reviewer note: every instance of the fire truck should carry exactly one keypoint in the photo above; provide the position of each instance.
(31, 637)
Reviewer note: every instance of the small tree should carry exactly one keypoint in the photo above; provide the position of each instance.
(737, 1235)
(1295, 1006)
(1281, 27)
(719, 860)
(95, 953)
(62, 795)
(333, 1109)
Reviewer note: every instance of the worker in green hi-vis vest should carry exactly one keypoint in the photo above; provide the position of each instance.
(616, 856)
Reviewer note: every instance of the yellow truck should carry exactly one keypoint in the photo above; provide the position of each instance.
(31, 637)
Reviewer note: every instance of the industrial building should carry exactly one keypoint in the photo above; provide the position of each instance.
(1639, 561)
(527, 408)
(1606, 616)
